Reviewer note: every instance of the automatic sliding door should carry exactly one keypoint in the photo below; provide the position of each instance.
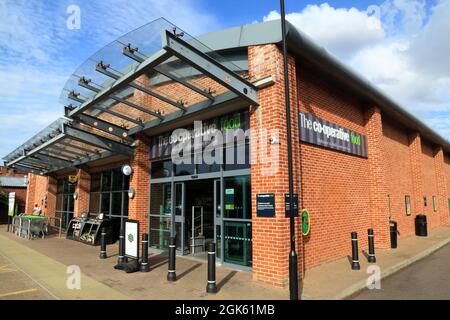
(180, 230)
(160, 215)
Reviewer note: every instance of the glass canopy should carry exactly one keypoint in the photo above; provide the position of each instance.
(146, 76)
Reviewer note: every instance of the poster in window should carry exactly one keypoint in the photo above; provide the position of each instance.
(408, 205)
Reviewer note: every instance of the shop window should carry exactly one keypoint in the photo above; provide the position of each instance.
(237, 199)
(109, 193)
(186, 167)
(64, 201)
(161, 169)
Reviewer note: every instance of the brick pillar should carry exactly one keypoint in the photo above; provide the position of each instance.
(51, 196)
(441, 186)
(269, 173)
(82, 188)
(415, 152)
(31, 190)
(140, 181)
(379, 208)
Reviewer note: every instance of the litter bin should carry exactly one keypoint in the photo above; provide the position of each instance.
(393, 232)
(421, 225)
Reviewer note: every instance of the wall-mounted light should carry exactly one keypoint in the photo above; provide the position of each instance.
(75, 195)
(131, 193)
(126, 170)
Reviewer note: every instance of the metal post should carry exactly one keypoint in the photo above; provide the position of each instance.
(171, 275)
(293, 276)
(371, 258)
(144, 262)
(121, 259)
(103, 244)
(355, 256)
(211, 287)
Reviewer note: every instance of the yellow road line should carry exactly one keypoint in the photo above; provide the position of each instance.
(17, 292)
(7, 270)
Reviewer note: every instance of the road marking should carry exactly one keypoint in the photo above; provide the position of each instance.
(17, 292)
(6, 268)
(29, 276)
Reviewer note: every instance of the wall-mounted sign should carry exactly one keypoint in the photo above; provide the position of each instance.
(200, 137)
(306, 222)
(287, 207)
(132, 239)
(265, 205)
(329, 135)
(11, 203)
(408, 205)
(72, 179)
(434, 203)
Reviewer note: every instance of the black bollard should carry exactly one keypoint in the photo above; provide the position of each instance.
(103, 244)
(355, 257)
(371, 258)
(121, 259)
(144, 262)
(171, 275)
(211, 286)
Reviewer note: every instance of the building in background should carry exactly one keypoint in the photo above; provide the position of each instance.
(12, 181)
(360, 159)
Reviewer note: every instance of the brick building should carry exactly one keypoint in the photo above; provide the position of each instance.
(359, 159)
(12, 181)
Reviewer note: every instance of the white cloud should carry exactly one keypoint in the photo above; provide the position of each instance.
(340, 30)
(407, 57)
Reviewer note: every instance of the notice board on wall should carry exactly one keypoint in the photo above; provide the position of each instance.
(265, 205)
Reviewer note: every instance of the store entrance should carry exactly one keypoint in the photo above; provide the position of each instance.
(199, 218)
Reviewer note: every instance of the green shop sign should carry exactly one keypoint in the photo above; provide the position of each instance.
(306, 222)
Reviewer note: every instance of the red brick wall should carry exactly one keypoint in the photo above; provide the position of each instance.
(447, 176)
(36, 193)
(399, 176)
(140, 181)
(335, 185)
(82, 188)
(429, 185)
(271, 243)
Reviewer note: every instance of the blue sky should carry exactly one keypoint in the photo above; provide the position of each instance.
(402, 46)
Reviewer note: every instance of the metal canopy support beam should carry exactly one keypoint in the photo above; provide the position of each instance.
(98, 156)
(54, 161)
(63, 150)
(118, 115)
(98, 141)
(143, 89)
(31, 163)
(103, 126)
(60, 155)
(210, 67)
(54, 140)
(122, 82)
(184, 83)
(118, 99)
(79, 147)
(24, 168)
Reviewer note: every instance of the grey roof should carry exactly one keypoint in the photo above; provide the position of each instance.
(304, 47)
(13, 182)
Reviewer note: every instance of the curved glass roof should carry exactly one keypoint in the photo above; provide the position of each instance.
(146, 75)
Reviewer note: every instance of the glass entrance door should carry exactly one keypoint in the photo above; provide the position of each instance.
(180, 218)
(218, 218)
